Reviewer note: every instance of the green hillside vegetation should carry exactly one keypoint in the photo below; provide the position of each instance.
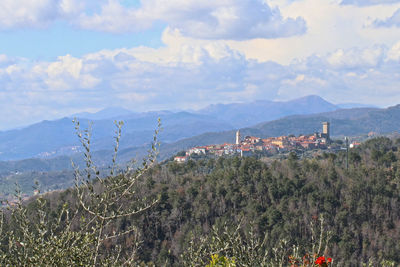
(53, 180)
(43, 165)
(247, 211)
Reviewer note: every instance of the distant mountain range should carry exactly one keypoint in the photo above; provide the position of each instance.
(55, 138)
(345, 122)
(246, 114)
(182, 130)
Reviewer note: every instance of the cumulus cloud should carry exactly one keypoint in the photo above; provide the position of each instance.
(6, 60)
(368, 2)
(207, 19)
(393, 21)
(363, 75)
(226, 19)
(394, 53)
(114, 17)
(356, 58)
(106, 77)
(196, 76)
(28, 14)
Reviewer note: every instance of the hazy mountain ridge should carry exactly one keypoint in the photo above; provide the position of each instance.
(343, 122)
(56, 138)
(361, 121)
(246, 114)
(48, 137)
(348, 122)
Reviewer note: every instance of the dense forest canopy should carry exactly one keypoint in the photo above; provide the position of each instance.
(279, 201)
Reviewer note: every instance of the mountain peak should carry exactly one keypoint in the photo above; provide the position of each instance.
(245, 114)
(310, 98)
(314, 104)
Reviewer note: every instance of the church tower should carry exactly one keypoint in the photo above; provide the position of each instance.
(326, 130)
(238, 137)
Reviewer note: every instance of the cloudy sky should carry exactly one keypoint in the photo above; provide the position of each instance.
(59, 57)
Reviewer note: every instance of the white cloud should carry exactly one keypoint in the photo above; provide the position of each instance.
(207, 19)
(66, 64)
(36, 14)
(190, 76)
(115, 18)
(6, 60)
(337, 58)
(394, 52)
(330, 26)
(118, 77)
(356, 57)
(393, 21)
(363, 75)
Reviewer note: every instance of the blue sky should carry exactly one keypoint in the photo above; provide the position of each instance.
(60, 57)
(61, 39)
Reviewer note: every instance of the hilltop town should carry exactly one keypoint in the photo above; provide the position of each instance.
(251, 145)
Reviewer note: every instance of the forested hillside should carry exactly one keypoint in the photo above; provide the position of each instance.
(275, 200)
(281, 199)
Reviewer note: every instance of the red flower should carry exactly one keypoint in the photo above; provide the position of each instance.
(320, 260)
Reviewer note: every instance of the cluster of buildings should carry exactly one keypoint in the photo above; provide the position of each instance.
(250, 145)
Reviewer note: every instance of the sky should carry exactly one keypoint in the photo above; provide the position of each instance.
(60, 57)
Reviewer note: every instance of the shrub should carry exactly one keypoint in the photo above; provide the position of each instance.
(82, 234)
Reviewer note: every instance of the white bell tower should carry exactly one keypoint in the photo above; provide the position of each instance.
(238, 137)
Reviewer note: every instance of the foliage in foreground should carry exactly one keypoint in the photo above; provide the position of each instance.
(239, 247)
(83, 234)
